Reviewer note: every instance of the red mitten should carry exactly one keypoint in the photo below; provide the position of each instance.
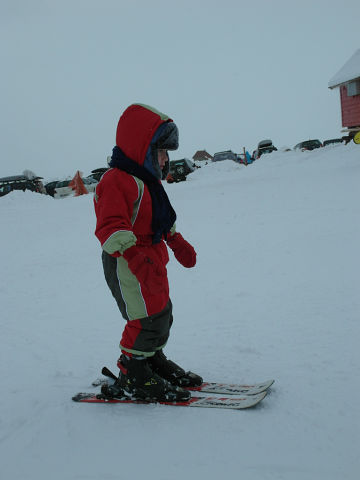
(150, 274)
(183, 251)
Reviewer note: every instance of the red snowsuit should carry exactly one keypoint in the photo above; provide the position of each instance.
(123, 207)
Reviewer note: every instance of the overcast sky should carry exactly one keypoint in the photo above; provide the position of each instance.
(229, 72)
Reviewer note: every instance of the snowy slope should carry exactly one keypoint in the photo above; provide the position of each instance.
(274, 295)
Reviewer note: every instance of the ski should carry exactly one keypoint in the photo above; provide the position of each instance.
(207, 387)
(235, 403)
(233, 389)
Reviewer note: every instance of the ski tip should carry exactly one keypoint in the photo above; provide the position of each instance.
(255, 399)
(79, 397)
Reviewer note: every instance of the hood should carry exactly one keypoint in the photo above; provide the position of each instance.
(136, 129)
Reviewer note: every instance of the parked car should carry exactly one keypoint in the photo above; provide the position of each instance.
(97, 173)
(179, 170)
(50, 188)
(5, 189)
(332, 141)
(225, 155)
(265, 146)
(90, 184)
(308, 145)
(20, 182)
(61, 189)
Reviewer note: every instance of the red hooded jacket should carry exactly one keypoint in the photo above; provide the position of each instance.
(123, 209)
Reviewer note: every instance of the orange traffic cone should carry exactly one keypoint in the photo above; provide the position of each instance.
(77, 184)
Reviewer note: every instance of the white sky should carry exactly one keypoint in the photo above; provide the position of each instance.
(230, 73)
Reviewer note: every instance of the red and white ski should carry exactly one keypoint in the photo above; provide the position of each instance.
(236, 403)
(208, 387)
(233, 388)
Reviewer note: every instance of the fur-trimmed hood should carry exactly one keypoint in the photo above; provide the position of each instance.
(141, 131)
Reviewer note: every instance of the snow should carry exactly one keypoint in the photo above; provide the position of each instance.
(274, 294)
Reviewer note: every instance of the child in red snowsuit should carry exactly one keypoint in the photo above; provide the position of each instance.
(134, 220)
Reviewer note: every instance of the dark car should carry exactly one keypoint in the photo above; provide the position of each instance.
(179, 170)
(97, 173)
(50, 188)
(308, 145)
(332, 141)
(265, 146)
(20, 182)
(225, 155)
(4, 189)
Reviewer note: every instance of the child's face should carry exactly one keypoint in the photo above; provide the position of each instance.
(162, 157)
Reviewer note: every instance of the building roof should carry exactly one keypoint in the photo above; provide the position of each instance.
(350, 71)
(201, 155)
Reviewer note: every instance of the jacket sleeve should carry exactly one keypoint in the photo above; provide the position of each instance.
(114, 202)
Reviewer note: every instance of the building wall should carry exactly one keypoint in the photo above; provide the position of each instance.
(350, 108)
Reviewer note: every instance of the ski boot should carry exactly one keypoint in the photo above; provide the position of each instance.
(137, 379)
(172, 372)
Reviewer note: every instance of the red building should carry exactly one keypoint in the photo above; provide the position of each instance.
(202, 155)
(348, 81)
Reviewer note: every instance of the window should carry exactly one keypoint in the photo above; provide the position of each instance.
(353, 88)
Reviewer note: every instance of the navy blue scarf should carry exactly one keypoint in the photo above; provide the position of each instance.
(163, 214)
